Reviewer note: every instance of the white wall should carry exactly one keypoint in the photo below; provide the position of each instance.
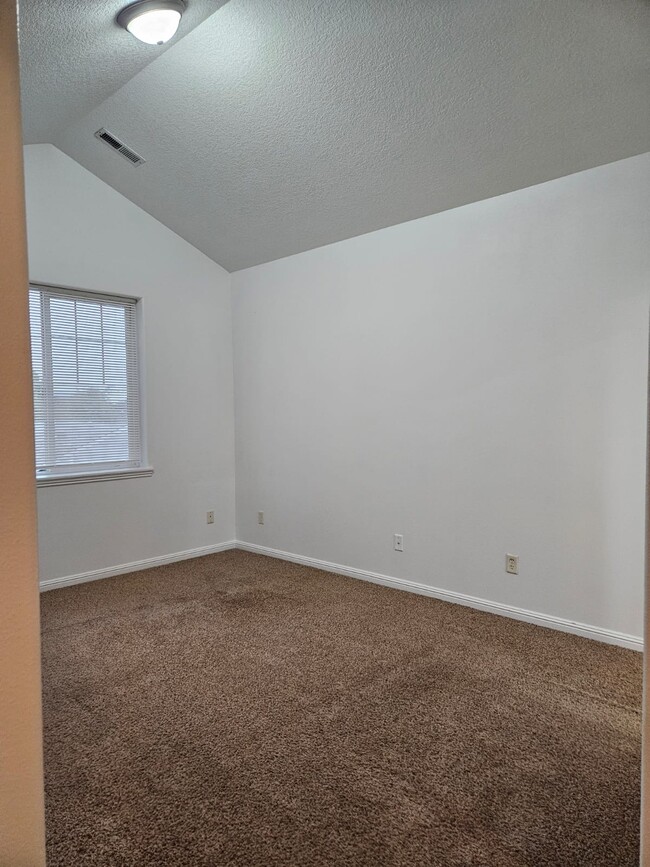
(82, 233)
(475, 380)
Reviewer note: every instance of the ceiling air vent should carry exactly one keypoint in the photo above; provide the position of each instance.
(117, 145)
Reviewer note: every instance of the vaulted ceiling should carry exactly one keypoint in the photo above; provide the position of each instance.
(273, 126)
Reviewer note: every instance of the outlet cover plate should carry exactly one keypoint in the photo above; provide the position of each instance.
(512, 564)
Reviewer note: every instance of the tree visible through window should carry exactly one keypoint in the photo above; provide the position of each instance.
(86, 388)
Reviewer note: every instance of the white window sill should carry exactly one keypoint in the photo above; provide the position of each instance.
(50, 480)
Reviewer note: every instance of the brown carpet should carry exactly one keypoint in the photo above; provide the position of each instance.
(237, 710)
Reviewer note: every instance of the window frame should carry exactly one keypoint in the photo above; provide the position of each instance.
(70, 476)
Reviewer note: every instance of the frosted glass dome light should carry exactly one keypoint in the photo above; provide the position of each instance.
(152, 21)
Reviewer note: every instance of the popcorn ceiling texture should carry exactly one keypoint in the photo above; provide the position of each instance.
(278, 126)
(237, 710)
(74, 55)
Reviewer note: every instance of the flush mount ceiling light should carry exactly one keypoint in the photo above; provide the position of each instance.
(152, 21)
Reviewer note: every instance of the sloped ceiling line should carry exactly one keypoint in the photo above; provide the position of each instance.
(277, 126)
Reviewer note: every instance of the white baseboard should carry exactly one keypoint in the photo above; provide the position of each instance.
(597, 633)
(136, 566)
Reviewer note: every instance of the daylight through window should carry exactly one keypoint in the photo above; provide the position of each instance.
(86, 382)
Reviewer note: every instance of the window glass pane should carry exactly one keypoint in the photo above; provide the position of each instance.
(86, 390)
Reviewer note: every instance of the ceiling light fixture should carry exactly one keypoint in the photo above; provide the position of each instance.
(152, 21)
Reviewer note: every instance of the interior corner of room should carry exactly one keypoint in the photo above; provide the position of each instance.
(472, 416)
(346, 400)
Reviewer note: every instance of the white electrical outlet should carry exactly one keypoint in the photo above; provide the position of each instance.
(512, 564)
(260, 517)
(398, 542)
(210, 517)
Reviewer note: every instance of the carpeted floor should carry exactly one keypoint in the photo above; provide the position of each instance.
(238, 711)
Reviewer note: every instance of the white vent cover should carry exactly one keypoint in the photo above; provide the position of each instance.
(120, 147)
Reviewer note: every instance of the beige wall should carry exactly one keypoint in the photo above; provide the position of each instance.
(21, 768)
(645, 787)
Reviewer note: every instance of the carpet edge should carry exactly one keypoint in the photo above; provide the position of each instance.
(561, 624)
(135, 566)
(585, 630)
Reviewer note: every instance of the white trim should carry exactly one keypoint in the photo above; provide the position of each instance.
(75, 291)
(136, 566)
(50, 480)
(596, 633)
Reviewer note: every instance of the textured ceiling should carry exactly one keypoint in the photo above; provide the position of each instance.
(74, 55)
(280, 125)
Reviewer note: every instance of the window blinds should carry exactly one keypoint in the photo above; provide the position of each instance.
(86, 382)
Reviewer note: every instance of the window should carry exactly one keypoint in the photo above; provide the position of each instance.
(87, 415)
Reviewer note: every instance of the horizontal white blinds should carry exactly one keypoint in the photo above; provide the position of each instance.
(86, 382)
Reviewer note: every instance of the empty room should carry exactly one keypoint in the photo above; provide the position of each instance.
(323, 388)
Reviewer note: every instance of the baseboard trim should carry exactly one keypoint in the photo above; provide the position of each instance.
(136, 566)
(597, 633)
